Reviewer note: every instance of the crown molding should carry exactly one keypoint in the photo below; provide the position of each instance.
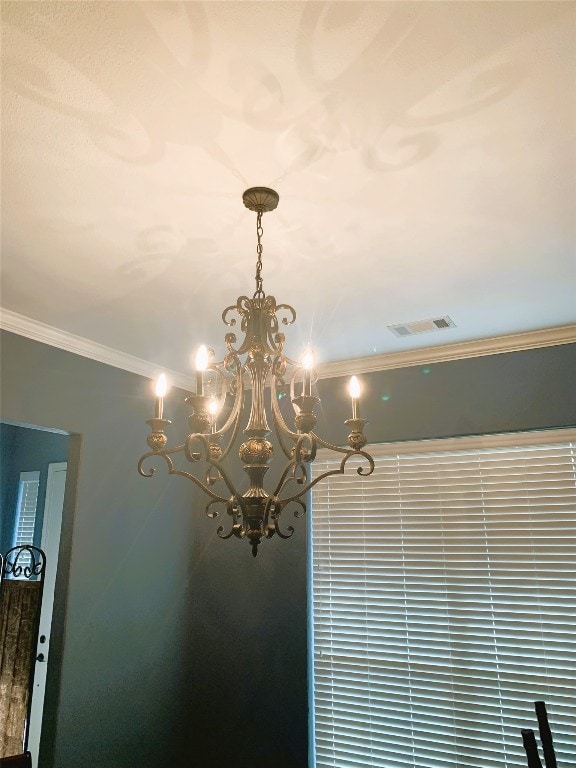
(54, 337)
(516, 342)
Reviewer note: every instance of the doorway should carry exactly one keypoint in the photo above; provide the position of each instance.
(35, 460)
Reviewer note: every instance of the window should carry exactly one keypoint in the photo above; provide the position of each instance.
(443, 603)
(26, 505)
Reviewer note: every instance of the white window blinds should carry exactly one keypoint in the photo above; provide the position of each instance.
(26, 512)
(443, 603)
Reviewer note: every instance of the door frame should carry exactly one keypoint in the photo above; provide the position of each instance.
(50, 544)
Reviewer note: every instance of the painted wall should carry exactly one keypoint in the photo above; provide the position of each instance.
(182, 649)
(534, 389)
(177, 646)
(25, 450)
(7, 435)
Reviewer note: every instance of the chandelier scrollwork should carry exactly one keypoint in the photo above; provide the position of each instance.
(218, 411)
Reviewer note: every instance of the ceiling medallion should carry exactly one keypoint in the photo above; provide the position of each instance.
(220, 405)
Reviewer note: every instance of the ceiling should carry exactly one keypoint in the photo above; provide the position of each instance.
(424, 154)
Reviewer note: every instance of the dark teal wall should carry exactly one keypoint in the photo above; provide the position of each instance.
(533, 389)
(181, 649)
(26, 450)
(178, 648)
(7, 435)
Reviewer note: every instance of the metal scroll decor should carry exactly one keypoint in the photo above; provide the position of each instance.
(24, 562)
(218, 409)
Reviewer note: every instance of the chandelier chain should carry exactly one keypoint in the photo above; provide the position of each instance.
(259, 293)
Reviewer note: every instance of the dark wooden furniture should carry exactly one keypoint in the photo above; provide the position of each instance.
(17, 761)
(529, 740)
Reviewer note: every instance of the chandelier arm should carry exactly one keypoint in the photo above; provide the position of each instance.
(214, 496)
(226, 480)
(210, 514)
(286, 450)
(289, 529)
(350, 452)
(303, 454)
(173, 471)
(339, 471)
(299, 474)
(337, 448)
(233, 436)
(295, 497)
(221, 535)
(284, 479)
(293, 363)
(219, 369)
(163, 454)
(223, 366)
(295, 479)
(275, 506)
(204, 439)
(193, 456)
(300, 513)
(278, 417)
(212, 475)
(271, 501)
(302, 457)
(233, 419)
(236, 530)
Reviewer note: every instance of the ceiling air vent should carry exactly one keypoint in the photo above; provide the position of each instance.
(422, 326)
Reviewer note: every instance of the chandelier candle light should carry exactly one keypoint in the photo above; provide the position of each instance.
(218, 408)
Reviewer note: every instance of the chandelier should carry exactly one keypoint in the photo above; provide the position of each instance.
(220, 405)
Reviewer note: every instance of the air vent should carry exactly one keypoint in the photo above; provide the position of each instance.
(422, 326)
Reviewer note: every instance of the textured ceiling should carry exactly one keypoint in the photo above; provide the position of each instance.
(424, 154)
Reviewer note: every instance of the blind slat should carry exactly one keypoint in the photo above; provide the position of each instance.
(444, 605)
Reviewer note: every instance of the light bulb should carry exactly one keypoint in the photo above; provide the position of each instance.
(161, 388)
(308, 359)
(161, 385)
(307, 364)
(202, 358)
(354, 388)
(213, 407)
